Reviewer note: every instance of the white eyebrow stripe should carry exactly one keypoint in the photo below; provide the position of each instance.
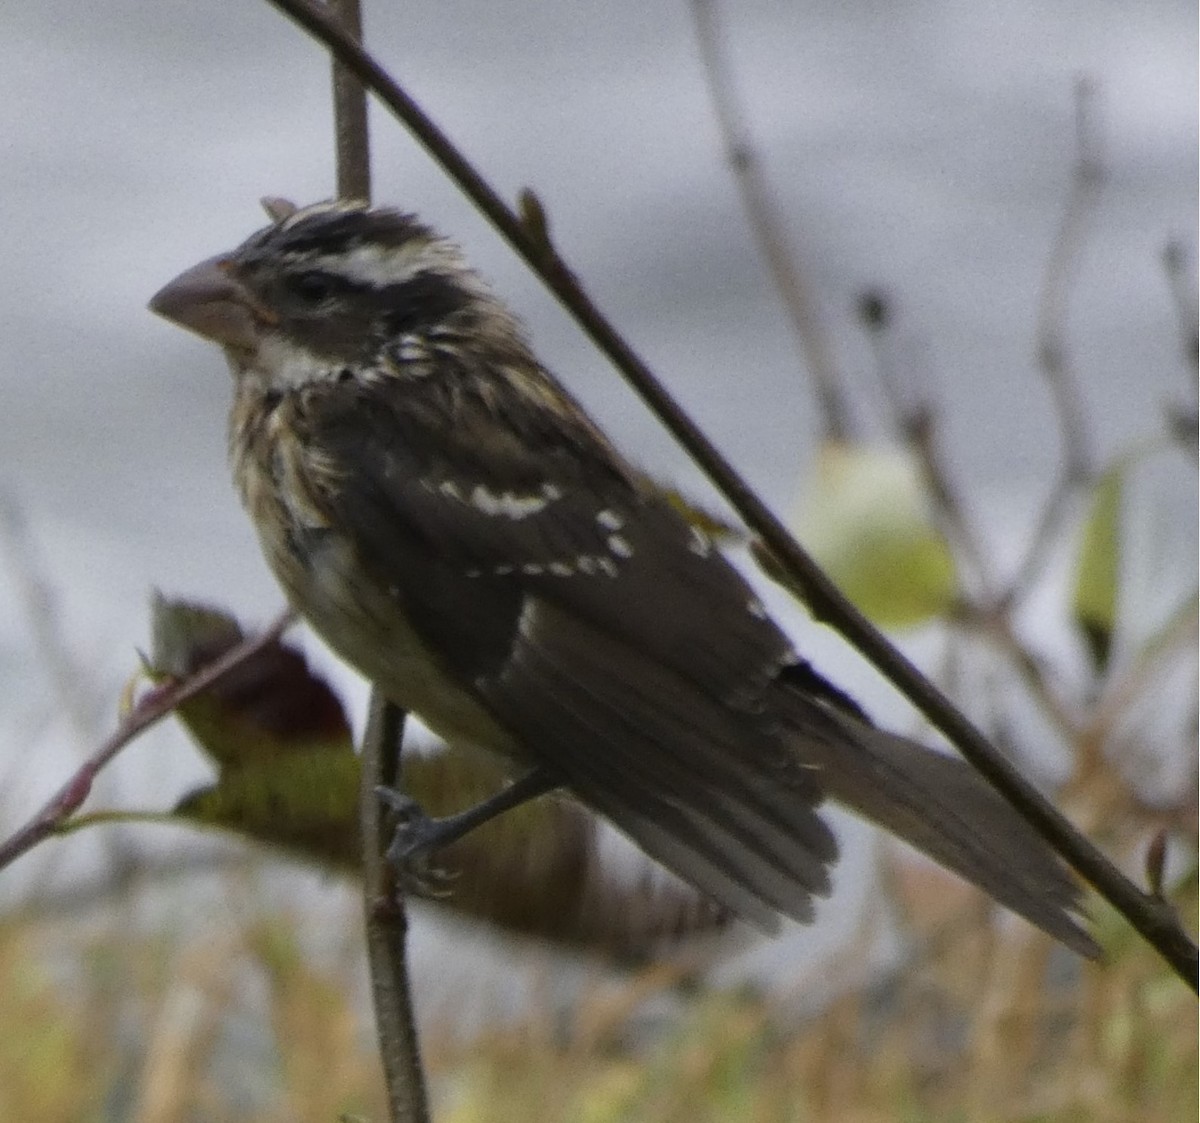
(381, 266)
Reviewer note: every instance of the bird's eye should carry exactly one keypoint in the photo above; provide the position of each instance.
(311, 288)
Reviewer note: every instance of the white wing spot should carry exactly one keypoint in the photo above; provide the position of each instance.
(503, 570)
(411, 349)
(610, 520)
(507, 504)
(755, 607)
(620, 546)
(586, 564)
(607, 567)
(560, 569)
(473, 573)
(450, 489)
(700, 543)
(531, 570)
(552, 491)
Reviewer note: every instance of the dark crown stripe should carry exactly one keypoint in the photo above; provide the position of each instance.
(336, 231)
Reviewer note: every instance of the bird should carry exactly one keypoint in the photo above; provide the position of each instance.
(449, 519)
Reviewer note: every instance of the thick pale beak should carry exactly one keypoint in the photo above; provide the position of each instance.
(206, 299)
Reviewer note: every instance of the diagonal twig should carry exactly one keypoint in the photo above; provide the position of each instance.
(1156, 923)
(767, 226)
(1062, 269)
(156, 705)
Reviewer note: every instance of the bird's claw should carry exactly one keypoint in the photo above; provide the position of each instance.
(416, 835)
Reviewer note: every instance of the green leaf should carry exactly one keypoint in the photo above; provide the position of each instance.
(866, 520)
(268, 706)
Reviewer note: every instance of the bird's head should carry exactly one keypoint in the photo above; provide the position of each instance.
(325, 288)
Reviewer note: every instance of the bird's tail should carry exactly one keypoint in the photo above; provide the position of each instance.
(944, 808)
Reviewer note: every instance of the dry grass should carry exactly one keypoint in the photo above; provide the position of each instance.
(246, 1030)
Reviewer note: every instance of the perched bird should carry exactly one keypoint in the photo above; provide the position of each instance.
(453, 524)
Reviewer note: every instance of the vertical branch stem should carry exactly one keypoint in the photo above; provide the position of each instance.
(386, 924)
(351, 139)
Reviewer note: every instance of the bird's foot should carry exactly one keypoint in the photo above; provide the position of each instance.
(416, 837)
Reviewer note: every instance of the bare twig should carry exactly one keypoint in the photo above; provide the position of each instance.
(1182, 420)
(979, 612)
(387, 923)
(996, 629)
(1062, 269)
(1158, 926)
(74, 687)
(916, 421)
(1182, 281)
(351, 140)
(1176, 637)
(768, 227)
(154, 706)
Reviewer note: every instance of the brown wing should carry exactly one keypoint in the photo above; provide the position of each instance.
(593, 622)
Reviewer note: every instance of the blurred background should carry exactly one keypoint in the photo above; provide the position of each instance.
(922, 150)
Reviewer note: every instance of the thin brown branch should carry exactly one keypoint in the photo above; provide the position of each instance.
(767, 225)
(153, 707)
(1181, 417)
(1159, 926)
(915, 419)
(387, 923)
(920, 430)
(75, 688)
(1062, 270)
(351, 140)
(1175, 638)
(996, 629)
(1182, 282)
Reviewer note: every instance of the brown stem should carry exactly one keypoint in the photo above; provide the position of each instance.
(386, 923)
(351, 139)
(915, 420)
(1062, 269)
(1181, 279)
(767, 226)
(151, 709)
